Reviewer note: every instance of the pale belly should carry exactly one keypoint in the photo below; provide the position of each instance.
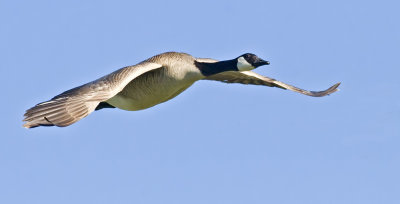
(149, 90)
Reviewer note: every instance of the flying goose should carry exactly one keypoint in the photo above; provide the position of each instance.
(153, 81)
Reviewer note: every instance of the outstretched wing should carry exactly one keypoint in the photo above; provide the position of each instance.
(249, 77)
(75, 104)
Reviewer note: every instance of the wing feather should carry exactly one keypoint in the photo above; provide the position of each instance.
(249, 77)
(75, 104)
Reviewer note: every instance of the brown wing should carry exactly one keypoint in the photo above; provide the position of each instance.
(73, 105)
(249, 77)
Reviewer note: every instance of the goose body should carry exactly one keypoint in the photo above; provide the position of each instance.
(149, 89)
(151, 82)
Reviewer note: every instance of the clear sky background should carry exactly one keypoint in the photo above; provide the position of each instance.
(214, 143)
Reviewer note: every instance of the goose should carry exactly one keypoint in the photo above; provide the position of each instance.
(148, 83)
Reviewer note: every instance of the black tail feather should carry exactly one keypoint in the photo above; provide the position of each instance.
(103, 105)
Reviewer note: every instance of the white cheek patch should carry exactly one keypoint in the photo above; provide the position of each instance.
(243, 65)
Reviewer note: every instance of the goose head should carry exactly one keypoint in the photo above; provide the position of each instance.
(249, 61)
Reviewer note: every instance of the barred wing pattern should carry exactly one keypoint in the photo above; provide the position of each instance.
(75, 104)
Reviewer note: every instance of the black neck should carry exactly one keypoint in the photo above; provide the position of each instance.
(208, 69)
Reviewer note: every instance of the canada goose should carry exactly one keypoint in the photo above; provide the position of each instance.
(153, 81)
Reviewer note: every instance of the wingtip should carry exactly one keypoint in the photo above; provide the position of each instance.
(327, 92)
(335, 87)
(26, 126)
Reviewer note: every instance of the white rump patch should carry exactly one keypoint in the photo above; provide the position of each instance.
(243, 65)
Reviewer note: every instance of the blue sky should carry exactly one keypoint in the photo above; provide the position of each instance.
(214, 143)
